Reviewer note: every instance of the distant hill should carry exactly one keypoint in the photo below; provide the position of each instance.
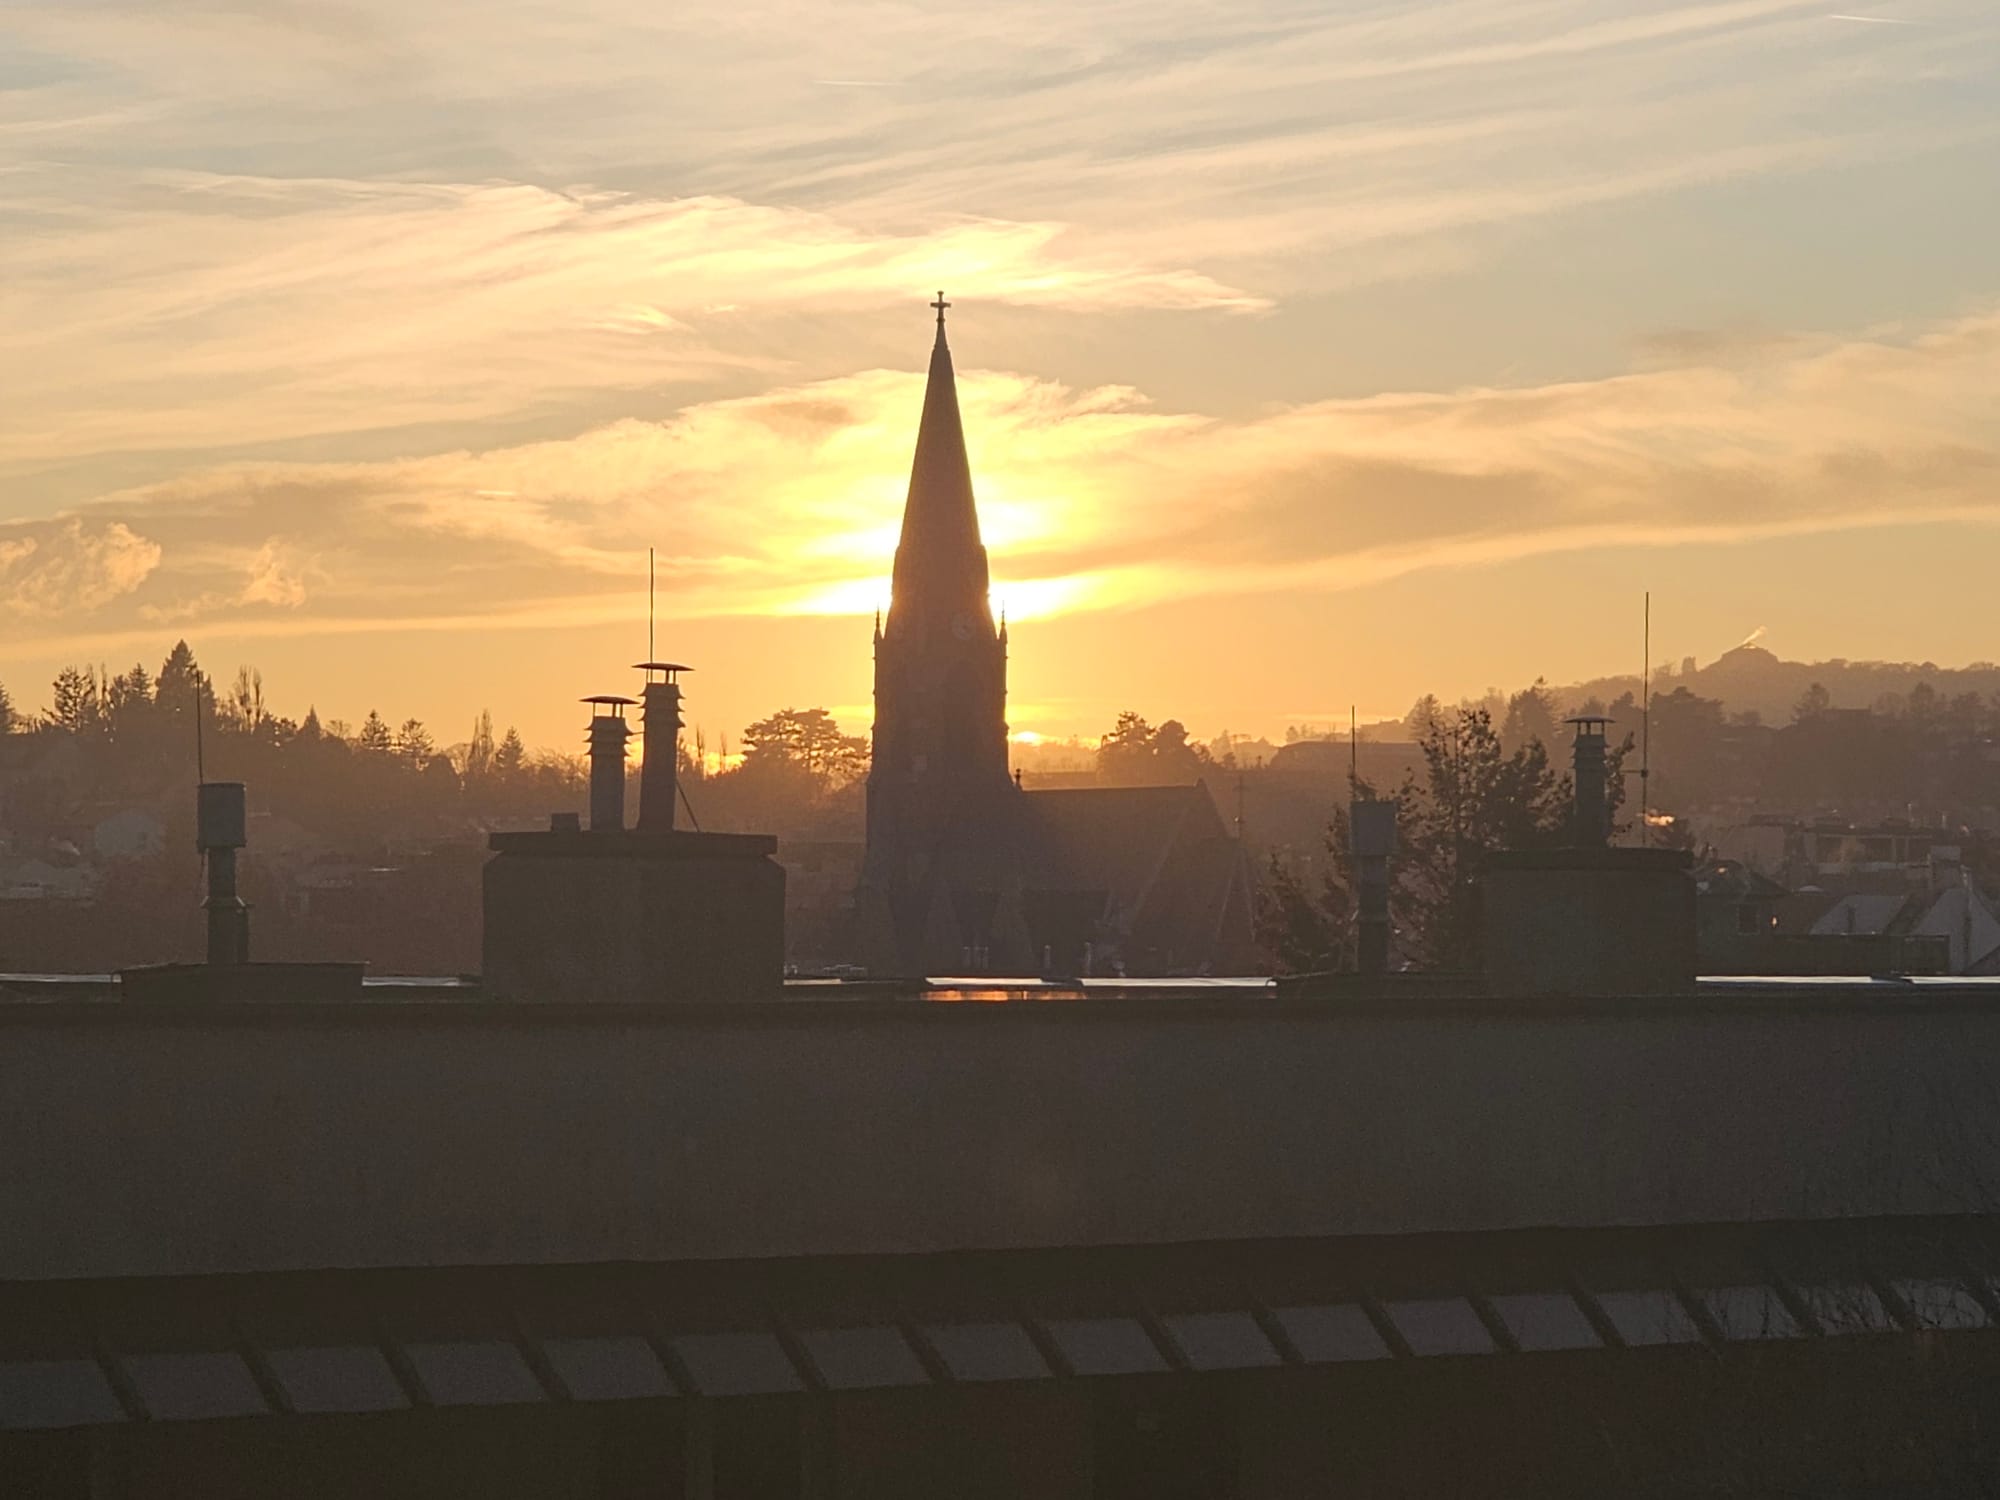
(1750, 678)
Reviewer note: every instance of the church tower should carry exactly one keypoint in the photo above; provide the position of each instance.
(938, 780)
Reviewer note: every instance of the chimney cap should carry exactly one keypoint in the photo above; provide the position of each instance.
(660, 666)
(607, 698)
(1587, 721)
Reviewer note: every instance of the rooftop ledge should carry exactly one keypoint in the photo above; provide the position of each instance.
(630, 843)
(103, 999)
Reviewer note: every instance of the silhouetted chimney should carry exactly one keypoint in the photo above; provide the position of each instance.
(228, 974)
(219, 825)
(659, 777)
(1371, 836)
(608, 734)
(1591, 823)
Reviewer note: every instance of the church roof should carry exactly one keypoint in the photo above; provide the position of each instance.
(1117, 838)
(1177, 884)
(940, 562)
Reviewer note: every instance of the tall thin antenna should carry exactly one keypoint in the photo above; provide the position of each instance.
(1353, 751)
(1646, 725)
(649, 606)
(200, 766)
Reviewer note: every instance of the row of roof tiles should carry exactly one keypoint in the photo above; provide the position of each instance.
(95, 1381)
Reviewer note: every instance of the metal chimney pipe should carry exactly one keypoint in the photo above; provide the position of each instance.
(659, 777)
(608, 734)
(1591, 825)
(1371, 836)
(219, 832)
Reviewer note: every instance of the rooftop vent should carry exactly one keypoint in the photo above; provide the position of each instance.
(608, 736)
(1591, 819)
(228, 974)
(633, 914)
(219, 833)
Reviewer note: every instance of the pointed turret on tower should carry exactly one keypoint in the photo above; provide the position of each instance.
(940, 580)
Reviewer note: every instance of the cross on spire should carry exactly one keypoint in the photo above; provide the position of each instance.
(940, 305)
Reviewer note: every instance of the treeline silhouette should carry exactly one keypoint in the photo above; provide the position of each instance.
(365, 841)
(1472, 788)
(1476, 790)
(1914, 755)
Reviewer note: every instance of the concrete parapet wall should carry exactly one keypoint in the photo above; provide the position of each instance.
(143, 1140)
(633, 916)
(1588, 922)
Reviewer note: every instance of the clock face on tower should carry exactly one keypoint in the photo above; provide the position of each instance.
(961, 625)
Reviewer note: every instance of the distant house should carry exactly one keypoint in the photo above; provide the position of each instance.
(276, 839)
(130, 833)
(1878, 856)
(39, 880)
(1747, 923)
(1733, 901)
(1763, 843)
(1957, 916)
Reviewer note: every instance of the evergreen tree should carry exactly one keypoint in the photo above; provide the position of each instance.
(1531, 715)
(1813, 702)
(310, 731)
(1473, 798)
(1424, 715)
(130, 710)
(133, 688)
(414, 743)
(8, 718)
(75, 705)
(181, 682)
(512, 754)
(375, 735)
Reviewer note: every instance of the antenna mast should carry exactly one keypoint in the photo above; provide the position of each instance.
(200, 765)
(650, 656)
(1646, 723)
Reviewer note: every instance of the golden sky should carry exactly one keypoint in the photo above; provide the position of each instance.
(1309, 354)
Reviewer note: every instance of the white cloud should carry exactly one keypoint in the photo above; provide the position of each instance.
(72, 568)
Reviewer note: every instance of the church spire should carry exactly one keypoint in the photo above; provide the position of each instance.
(938, 774)
(940, 577)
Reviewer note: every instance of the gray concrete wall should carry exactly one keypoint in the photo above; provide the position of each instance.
(1588, 922)
(136, 1141)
